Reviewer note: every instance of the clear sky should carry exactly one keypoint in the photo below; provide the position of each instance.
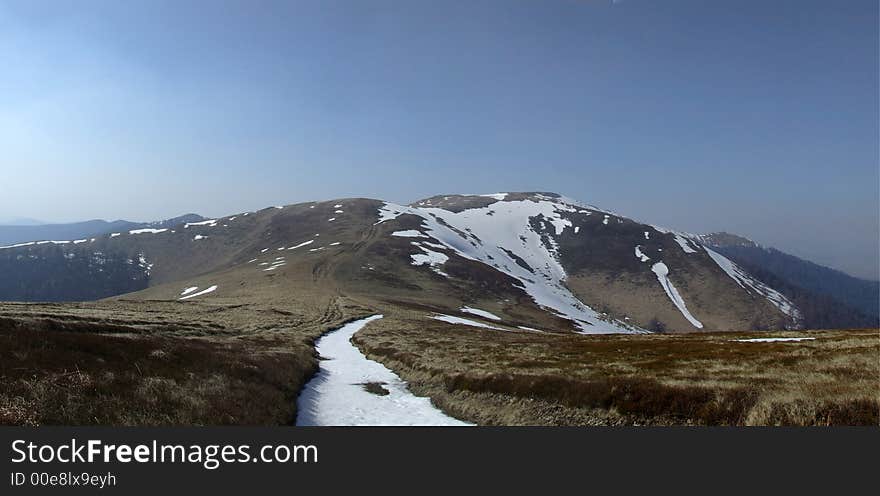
(756, 117)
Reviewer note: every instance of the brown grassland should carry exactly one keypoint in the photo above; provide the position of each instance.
(167, 363)
(177, 365)
(515, 378)
(89, 378)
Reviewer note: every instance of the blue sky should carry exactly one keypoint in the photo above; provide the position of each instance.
(759, 118)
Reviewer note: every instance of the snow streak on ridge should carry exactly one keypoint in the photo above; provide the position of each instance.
(748, 283)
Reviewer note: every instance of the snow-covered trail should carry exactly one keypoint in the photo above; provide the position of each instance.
(337, 394)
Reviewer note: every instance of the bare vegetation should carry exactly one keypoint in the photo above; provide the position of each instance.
(58, 378)
(496, 377)
(112, 364)
(164, 363)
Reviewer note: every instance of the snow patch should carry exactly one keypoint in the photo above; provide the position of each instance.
(680, 238)
(304, 243)
(481, 313)
(388, 212)
(641, 256)
(458, 320)
(429, 257)
(684, 244)
(662, 272)
(411, 233)
(209, 223)
(200, 293)
(144, 264)
(32, 243)
(531, 329)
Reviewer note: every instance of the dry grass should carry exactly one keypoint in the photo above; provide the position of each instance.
(67, 378)
(157, 363)
(707, 379)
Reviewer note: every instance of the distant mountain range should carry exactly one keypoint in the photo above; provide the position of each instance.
(532, 261)
(20, 221)
(25, 230)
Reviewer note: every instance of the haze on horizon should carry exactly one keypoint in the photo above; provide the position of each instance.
(757, 118)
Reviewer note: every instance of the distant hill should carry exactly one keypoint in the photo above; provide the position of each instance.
(828, 297)
(21, 221)
(22, 233)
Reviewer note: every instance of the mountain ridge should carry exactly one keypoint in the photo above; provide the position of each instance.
(538, 259)
(16, 234)
(814, 284)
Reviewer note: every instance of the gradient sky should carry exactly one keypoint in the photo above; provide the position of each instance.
(759, 118)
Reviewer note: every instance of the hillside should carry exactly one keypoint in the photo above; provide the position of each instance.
(534, 260)
(829, 298)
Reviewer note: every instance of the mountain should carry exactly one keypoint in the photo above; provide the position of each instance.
(829, 298)
(20, 221)
(22, 233)
(522, 260)
(175, 221)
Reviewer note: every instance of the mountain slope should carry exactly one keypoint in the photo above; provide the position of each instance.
(603, 272)
(513, 261)
(830, 297)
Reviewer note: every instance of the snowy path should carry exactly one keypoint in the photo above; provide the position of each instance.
(337, 395)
